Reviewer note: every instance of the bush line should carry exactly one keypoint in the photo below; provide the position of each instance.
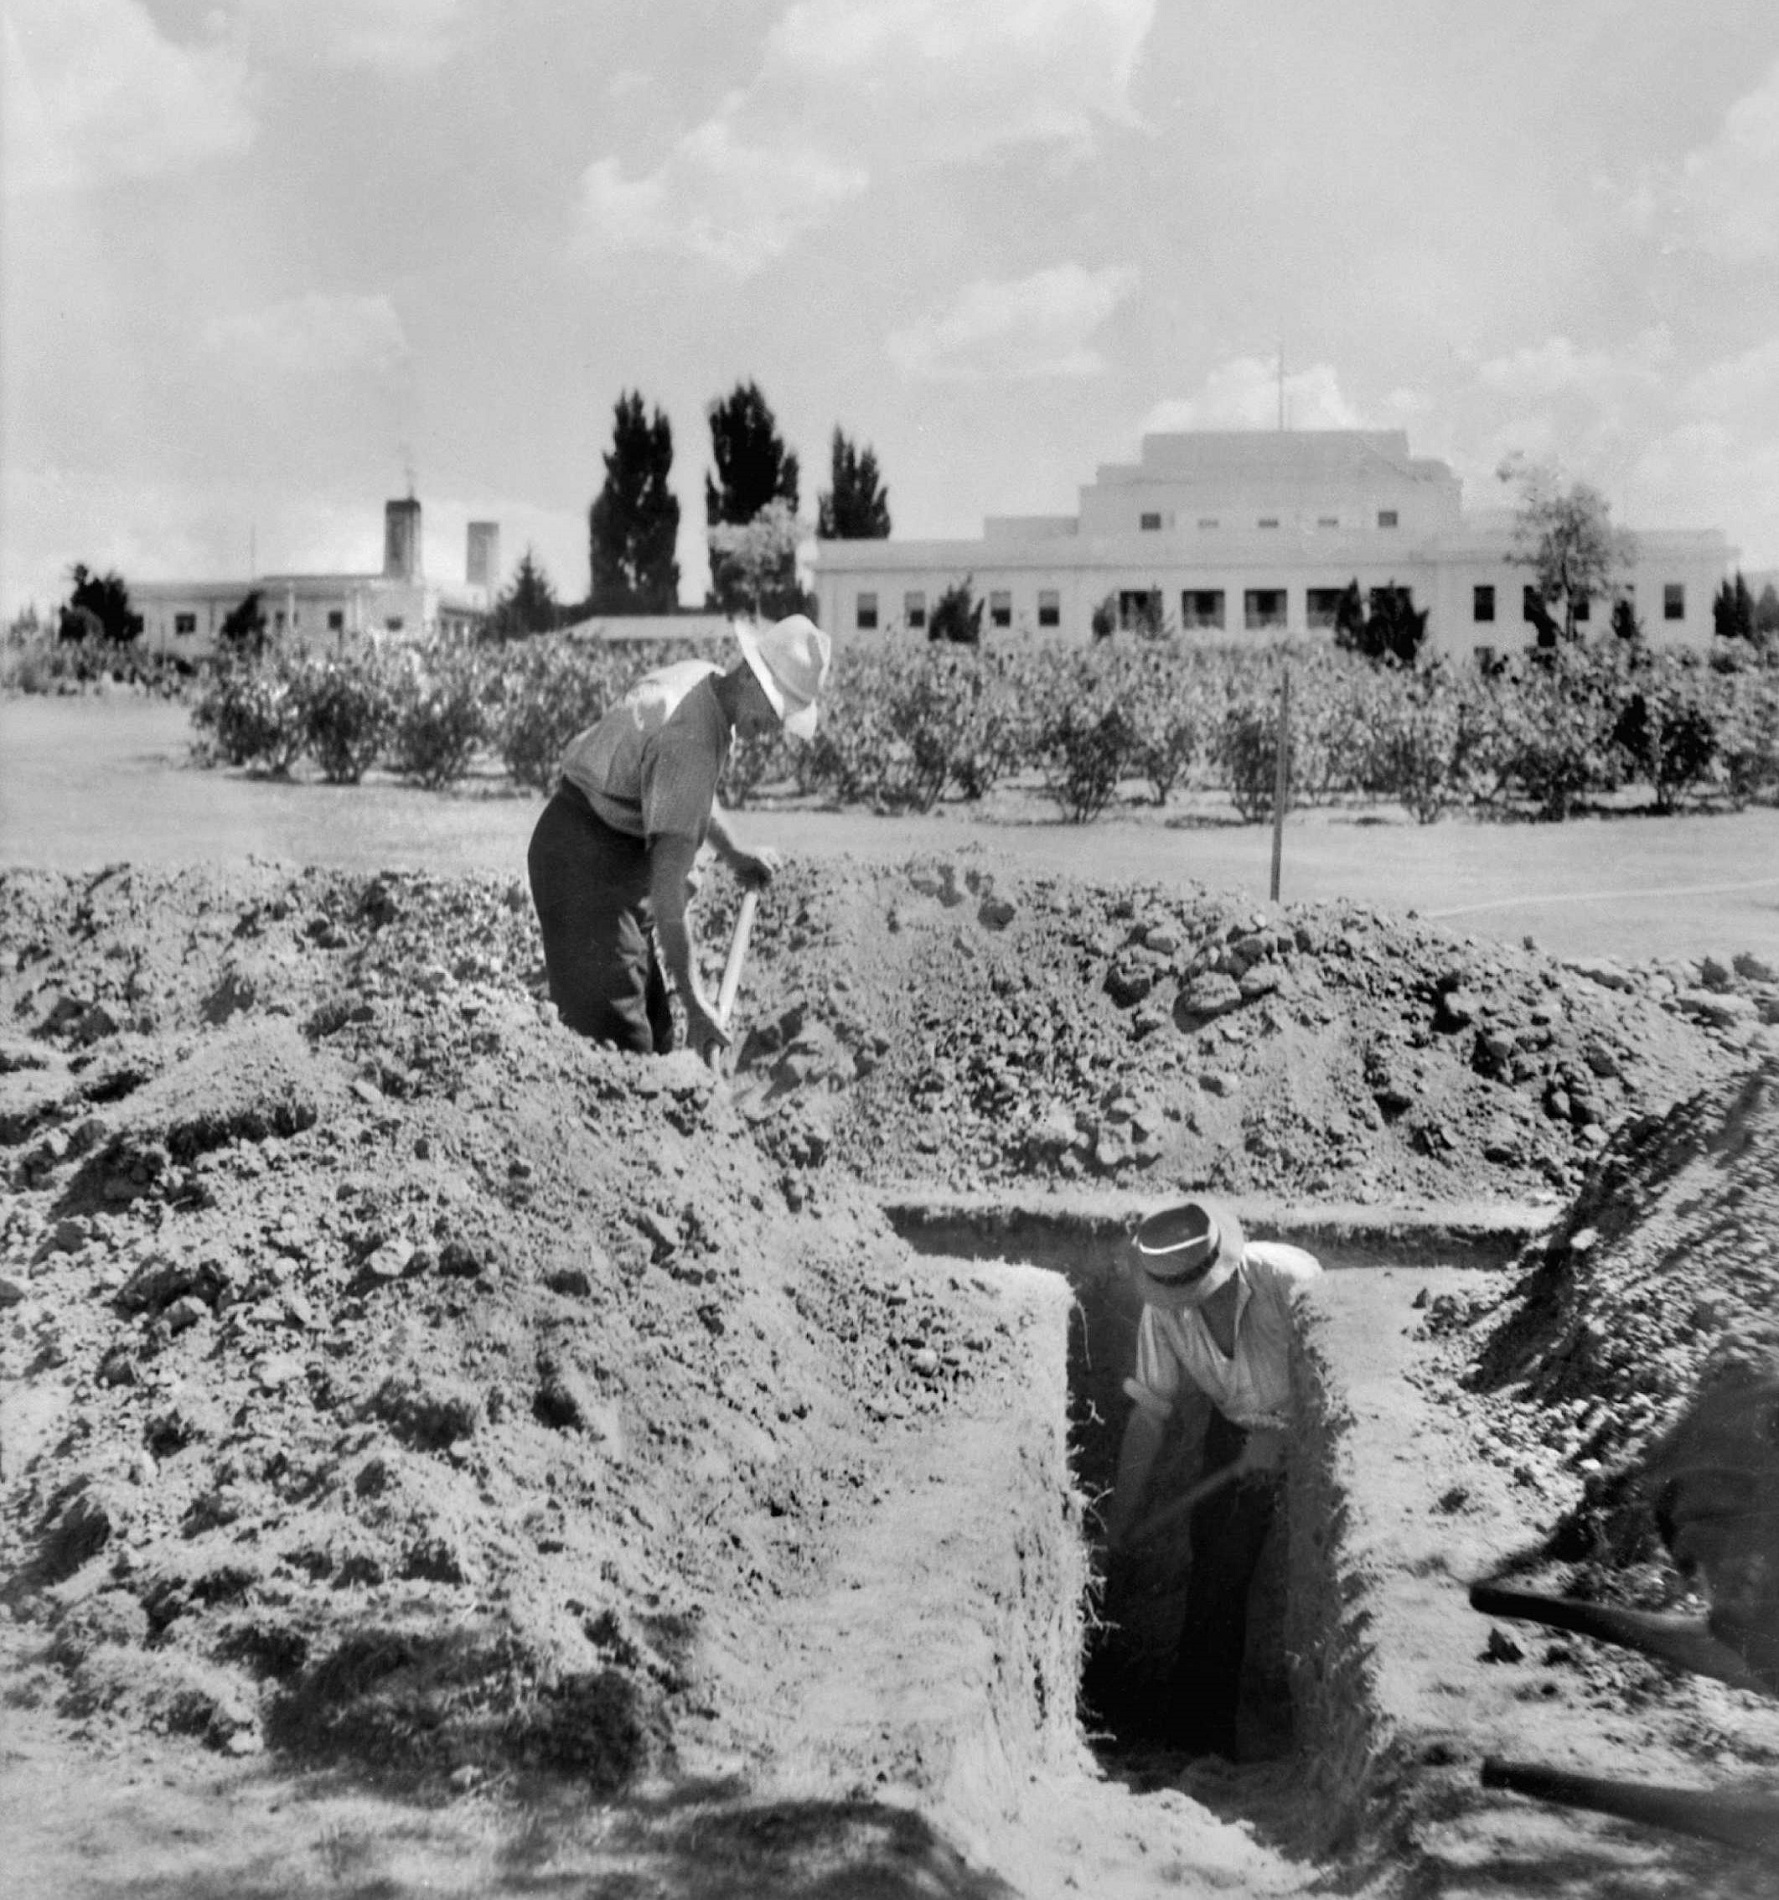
(906, 726)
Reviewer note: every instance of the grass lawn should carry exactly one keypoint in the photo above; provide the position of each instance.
(90, 781)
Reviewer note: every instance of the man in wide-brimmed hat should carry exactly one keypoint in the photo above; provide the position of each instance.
(611, 858)
(1217, 1315)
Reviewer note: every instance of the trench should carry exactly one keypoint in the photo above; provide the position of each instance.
(1309, 1738)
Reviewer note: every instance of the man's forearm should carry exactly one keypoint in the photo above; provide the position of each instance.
(674, 935)
(670, 865)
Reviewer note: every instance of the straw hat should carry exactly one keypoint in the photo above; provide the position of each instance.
(1183, 1254)
(790, 660)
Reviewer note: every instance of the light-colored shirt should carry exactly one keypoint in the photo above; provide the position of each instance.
(1252, 1386)
(651, 766)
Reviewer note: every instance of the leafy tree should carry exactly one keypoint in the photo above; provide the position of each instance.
(753, 469)
(528, 606)
(957, 616)
(1766, 611)
(243, 629)
(634, 523)
(1563, 532)
(1732, 612)
(1386, 626)
(104, 598)
(1625, 623)
(755, 557)
(856, 507)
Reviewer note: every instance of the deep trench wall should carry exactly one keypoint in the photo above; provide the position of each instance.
(1330, 1613)
(1028, 1573)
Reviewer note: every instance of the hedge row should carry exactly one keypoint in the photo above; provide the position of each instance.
(906, 726)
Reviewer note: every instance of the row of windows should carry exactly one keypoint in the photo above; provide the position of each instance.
(1000, 609)
(1150, 523)
(1532, 607)
(1204, 608)
(1199, 608)
(336, 621)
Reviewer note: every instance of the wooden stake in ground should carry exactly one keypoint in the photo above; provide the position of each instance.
(1281, 777)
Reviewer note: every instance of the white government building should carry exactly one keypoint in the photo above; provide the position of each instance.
(1251, 534)
(328, 612)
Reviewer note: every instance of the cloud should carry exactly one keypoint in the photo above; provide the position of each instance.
(1556, 368)
(1032, 326)
(403, 37)
(870, 86)
(731, 204)
(94, 93)
(1737, 386)
(947, 81)
(309, 338)
(1723, 198)
(1244, 394)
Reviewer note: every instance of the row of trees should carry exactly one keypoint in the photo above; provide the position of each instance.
(751, 512)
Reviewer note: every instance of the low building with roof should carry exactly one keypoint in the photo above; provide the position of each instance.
(1254, 535)
(331, 612)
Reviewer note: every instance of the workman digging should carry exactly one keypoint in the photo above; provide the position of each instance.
(611, 859)
(1217, 1317)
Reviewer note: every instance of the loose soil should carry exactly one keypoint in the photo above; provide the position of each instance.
(438, 1455)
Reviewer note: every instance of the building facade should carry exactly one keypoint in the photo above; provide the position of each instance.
(1253, 535)
(326, 613)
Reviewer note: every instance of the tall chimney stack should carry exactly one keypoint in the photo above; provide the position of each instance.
(401, 540)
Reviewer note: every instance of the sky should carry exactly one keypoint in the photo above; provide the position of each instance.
(266, 263)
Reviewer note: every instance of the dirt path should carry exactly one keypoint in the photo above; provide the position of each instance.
(84, 782)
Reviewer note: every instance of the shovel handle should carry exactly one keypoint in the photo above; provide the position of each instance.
(744, 924)
(1177, 1508)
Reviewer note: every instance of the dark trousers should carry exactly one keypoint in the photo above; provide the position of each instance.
(1228, 1530)
(590, 886)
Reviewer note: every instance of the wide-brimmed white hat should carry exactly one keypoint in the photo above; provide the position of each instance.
(790, 660)
(1183, 1254)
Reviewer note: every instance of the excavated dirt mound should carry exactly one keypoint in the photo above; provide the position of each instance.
(940, 1023)
(388, 1371)
(1645, 1329)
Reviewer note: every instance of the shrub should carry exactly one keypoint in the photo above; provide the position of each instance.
(1748, 740)
(1547, 729)
(439, 719)
(254, 715)
(1248, 747)
(549, 689)
(1167, 696)
(347, 712)
(1088, 746)
(1419, 751)
(1667, 723)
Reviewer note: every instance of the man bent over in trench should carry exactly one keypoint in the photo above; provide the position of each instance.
(1216, 1315)
(611, 858)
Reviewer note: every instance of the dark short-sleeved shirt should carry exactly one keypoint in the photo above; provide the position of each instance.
(651, 766)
